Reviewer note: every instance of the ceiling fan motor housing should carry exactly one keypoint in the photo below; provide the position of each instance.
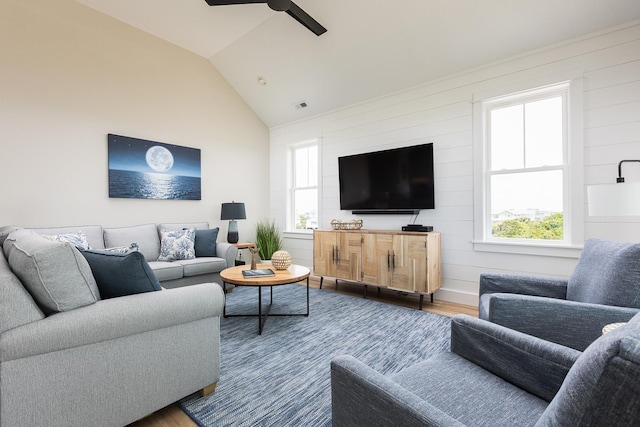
(279, 5)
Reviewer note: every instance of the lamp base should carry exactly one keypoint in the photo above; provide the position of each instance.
(232, 232)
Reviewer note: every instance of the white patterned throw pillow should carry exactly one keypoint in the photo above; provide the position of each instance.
(133, 247)
(176, 245)
(79, 239)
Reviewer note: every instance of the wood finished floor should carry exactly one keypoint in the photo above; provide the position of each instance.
(173, 416)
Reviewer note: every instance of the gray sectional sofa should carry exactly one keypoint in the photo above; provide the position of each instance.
(71, 358)
(147, 236)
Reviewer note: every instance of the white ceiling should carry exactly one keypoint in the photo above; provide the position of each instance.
(371, 48)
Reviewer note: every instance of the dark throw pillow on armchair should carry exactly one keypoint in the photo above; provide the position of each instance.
(206, 242)
(121, 274)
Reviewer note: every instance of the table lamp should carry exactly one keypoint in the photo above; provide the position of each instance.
(233, 211)
(619, 199)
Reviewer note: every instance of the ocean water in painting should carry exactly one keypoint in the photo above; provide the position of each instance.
(149, 185)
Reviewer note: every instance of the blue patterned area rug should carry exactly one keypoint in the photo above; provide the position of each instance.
(282, 377)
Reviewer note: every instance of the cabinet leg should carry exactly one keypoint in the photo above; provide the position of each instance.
(321, 279)
(421, 301)
(336, 284)
(378, 290)
(431, 298)
(365, 291)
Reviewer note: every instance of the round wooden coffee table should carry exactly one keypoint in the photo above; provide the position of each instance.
(294, 274)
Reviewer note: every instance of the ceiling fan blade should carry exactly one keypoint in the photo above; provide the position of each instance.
(227, 2)
(303, 17)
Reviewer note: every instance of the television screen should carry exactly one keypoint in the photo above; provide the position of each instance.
(397, 179)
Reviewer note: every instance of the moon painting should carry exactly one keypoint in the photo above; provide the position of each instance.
(142, 169)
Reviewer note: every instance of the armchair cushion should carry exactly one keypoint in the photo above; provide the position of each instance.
(607, 273)
(513, 356)
(121, 274)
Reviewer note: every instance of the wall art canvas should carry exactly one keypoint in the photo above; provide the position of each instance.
(141, 169)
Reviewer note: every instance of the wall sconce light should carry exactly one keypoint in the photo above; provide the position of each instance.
(233, 211)
(620, 199)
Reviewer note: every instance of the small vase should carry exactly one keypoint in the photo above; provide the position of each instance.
(281, 260)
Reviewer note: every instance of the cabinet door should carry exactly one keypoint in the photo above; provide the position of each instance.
(377, 253)
(409, 263)
(324, 253)
(349, 256)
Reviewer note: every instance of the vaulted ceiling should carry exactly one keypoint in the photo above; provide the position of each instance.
(371, 48)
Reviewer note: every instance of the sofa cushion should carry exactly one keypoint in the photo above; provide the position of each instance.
(17, 307)
(120, 274)
(56, 275)
(607, 273)
(166, 270)
(176, 245)
(175, 226)
(146, 236)
(197, 266)
(205, 244)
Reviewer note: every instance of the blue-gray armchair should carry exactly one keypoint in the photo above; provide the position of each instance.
(495, 376)
(604, 288)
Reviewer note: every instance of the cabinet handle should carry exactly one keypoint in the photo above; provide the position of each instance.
(337, 255)
(333, 254)
(388, 260)
(394, 261)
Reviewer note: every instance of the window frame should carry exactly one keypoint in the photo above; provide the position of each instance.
(572, 168)
(291, 169)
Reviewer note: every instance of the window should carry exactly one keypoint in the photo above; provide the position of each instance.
(304, 187)
(527, 186)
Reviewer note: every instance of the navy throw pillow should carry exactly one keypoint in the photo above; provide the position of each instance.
(121, 274)
(206, 242)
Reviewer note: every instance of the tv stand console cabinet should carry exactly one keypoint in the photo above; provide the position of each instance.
(403, 261)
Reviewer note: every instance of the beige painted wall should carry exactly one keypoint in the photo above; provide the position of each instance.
(69, 76)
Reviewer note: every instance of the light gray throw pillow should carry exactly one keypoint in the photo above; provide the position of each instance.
(56, 275)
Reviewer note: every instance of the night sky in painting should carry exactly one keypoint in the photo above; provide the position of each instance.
(127, 153)
(152, 170)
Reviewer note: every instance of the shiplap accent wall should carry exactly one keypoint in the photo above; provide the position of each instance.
(442, 112)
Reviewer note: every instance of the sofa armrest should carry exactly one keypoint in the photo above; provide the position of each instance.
(361, 396)
(569, 323)
(113, 318)
(227, 251)
(535, 365)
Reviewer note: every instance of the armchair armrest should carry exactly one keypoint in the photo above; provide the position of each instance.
(569, 323)
(361, 396)
(518, 284)
(532, 364)
(227, 251)
(526, 285)
(113, 318)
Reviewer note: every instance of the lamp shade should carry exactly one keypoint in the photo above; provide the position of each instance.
(620, 199)
(233, 210)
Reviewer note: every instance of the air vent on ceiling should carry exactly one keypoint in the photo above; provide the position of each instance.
(301, 104)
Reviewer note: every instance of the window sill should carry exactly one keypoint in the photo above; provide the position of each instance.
(299, 234)
(562, 251)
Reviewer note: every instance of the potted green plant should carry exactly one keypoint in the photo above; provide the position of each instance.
(268, 238)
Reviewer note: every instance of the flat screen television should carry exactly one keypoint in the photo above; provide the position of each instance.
(399, 179)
